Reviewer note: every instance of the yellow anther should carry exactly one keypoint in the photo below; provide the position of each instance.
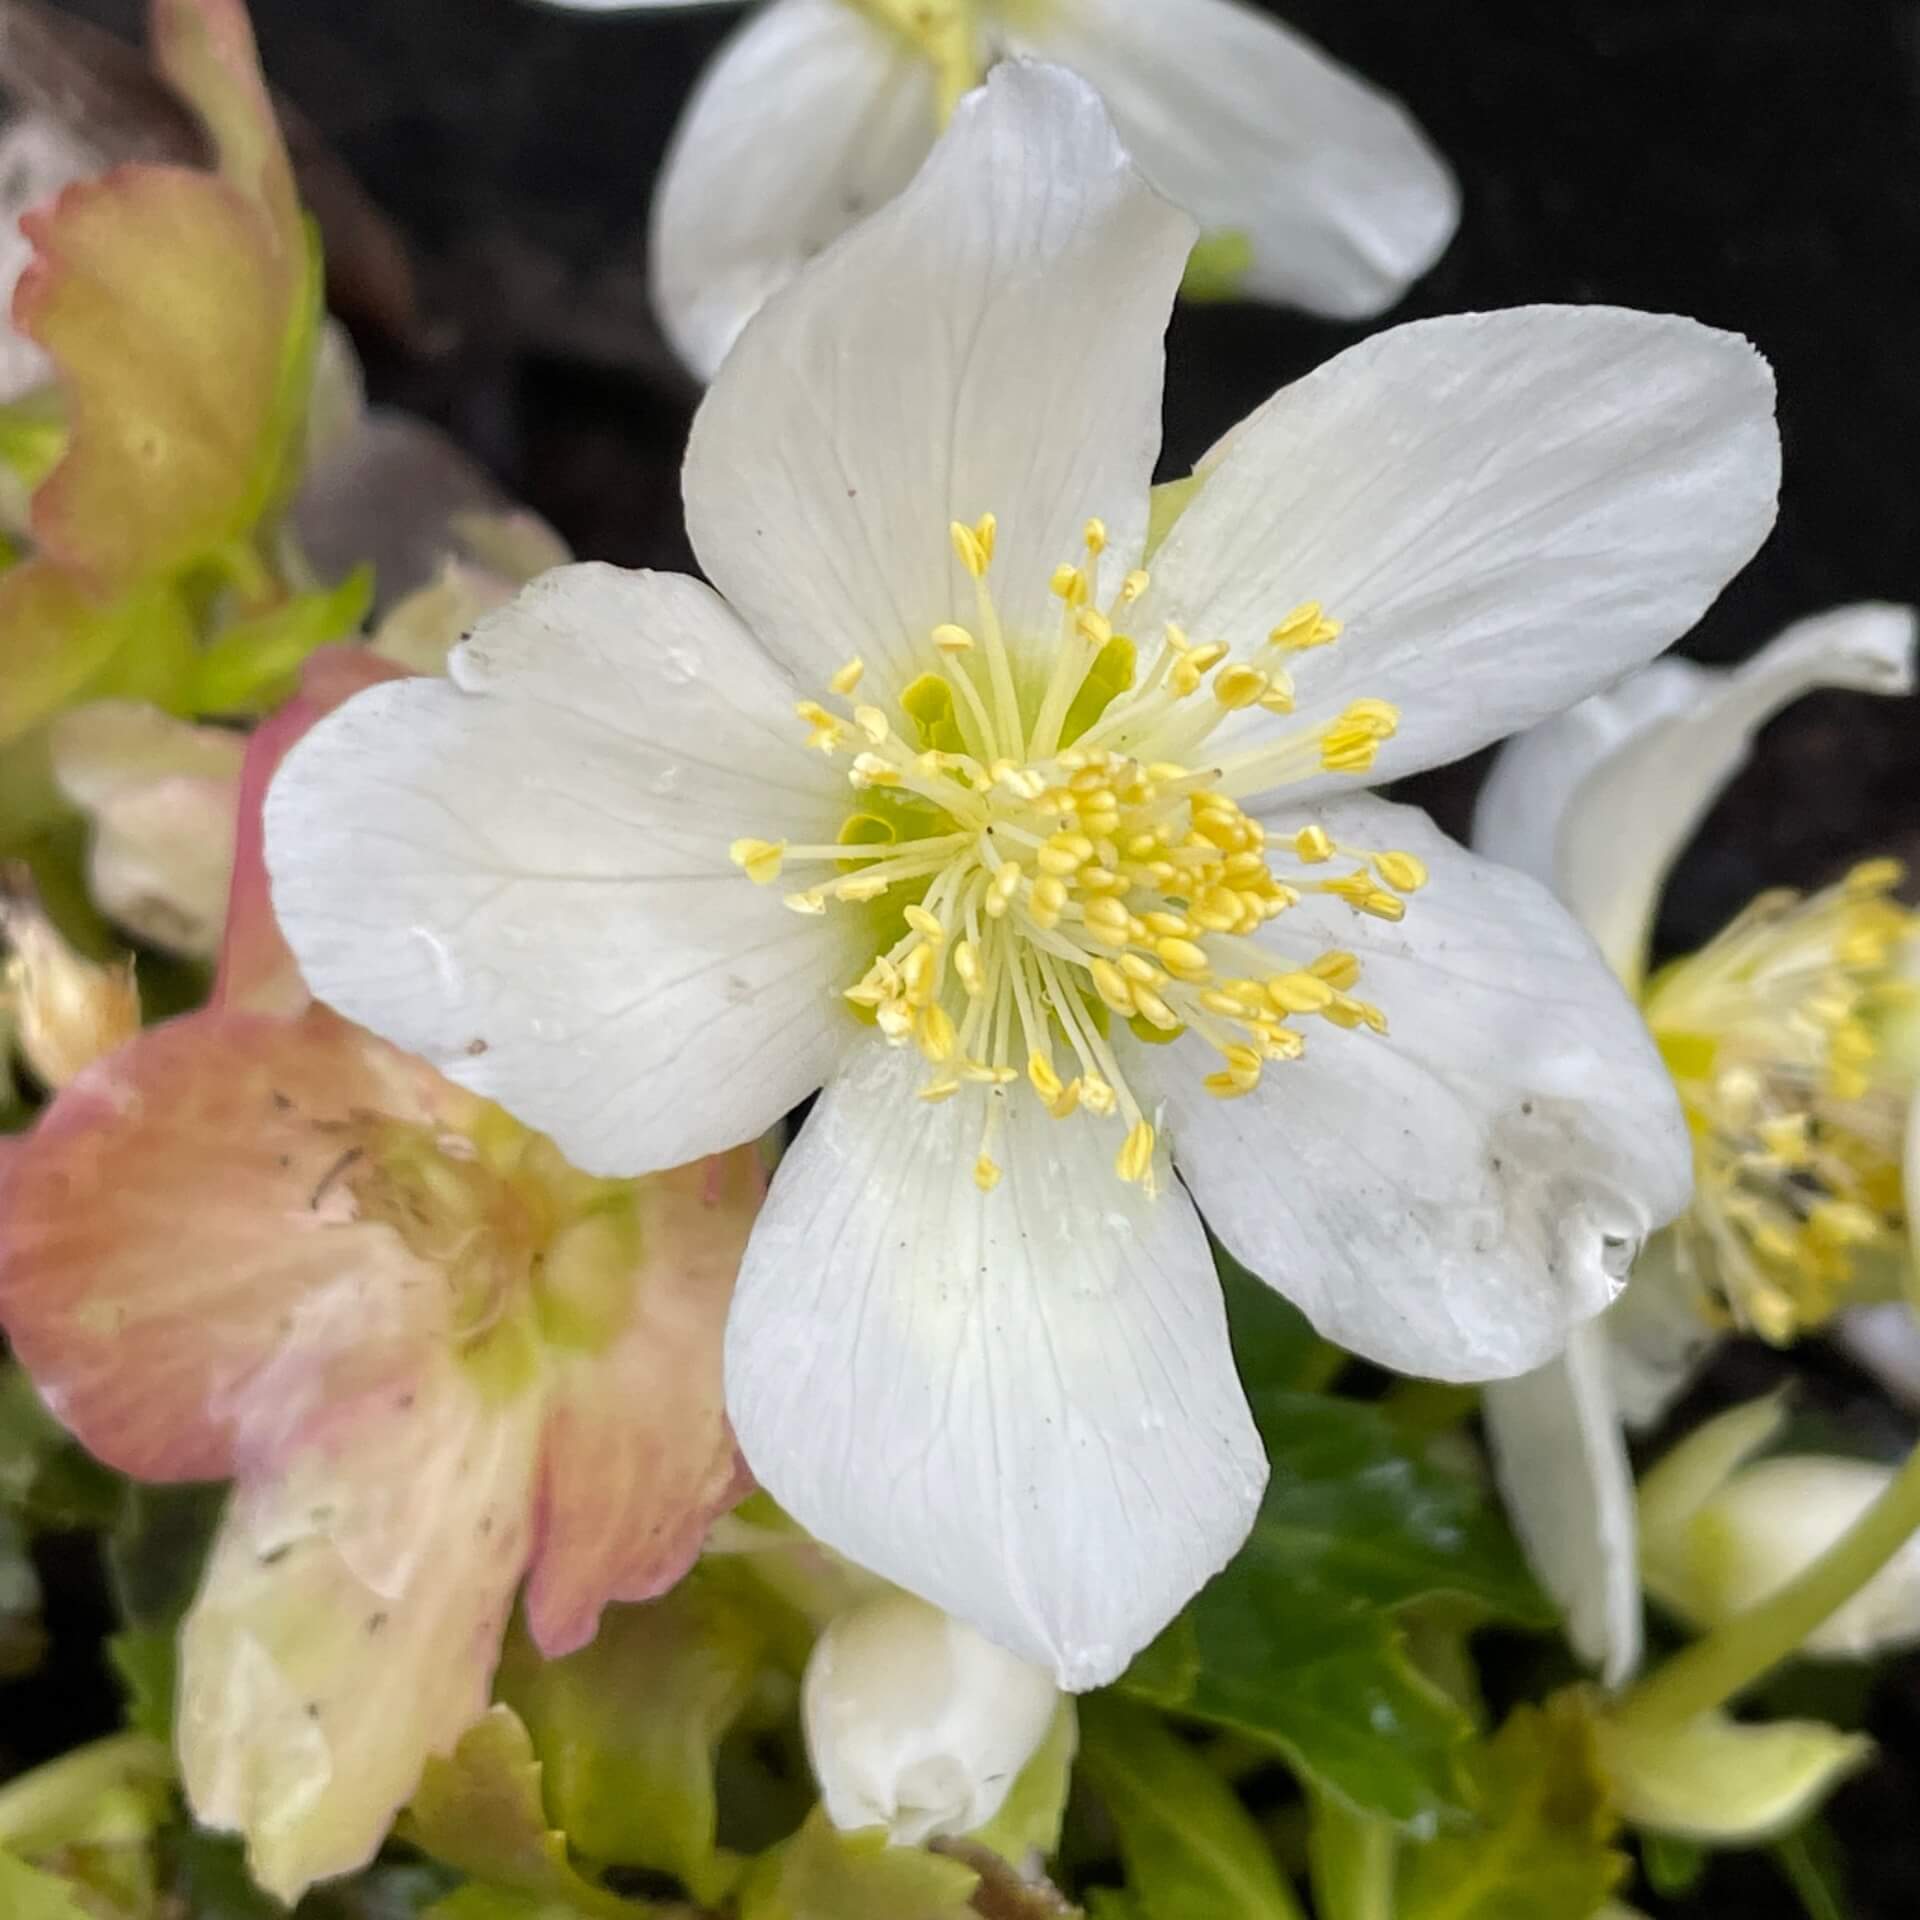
(1874, 876)
(1223, 1086)
(1068, 1102)
(1096, 1096)
(1304, 627)
(1000, 892)
(1155, 1011)
(1045, 1082)
(925, 924)
(1069, 584)
(869, 770)
(933, 1029)
(827, 729)
(759, 859)
(848, 677)
(811, 902)
(1383, 906)
(1112, 986)
(967, 545)
(986, 1175)
(966, 964)
(872, 722)
(1299, 993)
(1096, 536)
(939, 1090)
(1243, 1063)
(1135, 1157)
(1049, 899)
(1167, 926)
(1338, 969)
(1141, 971)
(1093, 627)
(951, 639)
(1064, 853)
(1239, 686)
(860, 886)
(1401, 870)
(917, 974)
(985, 531)
(895, 1020)
(1313, 845)
(1182, 958)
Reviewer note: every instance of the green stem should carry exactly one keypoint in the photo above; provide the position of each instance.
(50, 1799)
(1352, 1857)
(1735, 1654)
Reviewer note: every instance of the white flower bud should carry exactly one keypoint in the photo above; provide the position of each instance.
(916, 1723)
(1720, 1535)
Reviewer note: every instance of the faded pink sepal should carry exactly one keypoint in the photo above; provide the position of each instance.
(350, 1619)
(181, 1215)
(639, 1457)
(257, 970)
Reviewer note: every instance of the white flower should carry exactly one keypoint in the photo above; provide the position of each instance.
(1722, 1531)
(915, 1723)
(977, 1344)
(1316, 190)
(1599, 803)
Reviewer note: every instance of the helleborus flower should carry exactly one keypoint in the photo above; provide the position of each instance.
(1315, 189)
(62, 1010)
(434, 1357)
(1771, 1032)
(916, 1723)
(1062, 867)
(1721, 1530)
(160, 796)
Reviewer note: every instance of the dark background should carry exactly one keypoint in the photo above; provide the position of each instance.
(1755, 163)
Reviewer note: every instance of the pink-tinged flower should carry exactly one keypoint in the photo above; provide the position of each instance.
(434, 1357)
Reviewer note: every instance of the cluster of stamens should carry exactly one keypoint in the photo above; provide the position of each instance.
(1774, 1033)
(1049, 855)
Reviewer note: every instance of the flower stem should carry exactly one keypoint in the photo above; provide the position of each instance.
(1352, 1856)
(1735, 1654)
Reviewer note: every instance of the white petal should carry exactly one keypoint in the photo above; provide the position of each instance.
(1019, 1405)
(522, 873)
(1599, 801)
(988, 343)
(1563, 1467)
(1507, 510)
(1452, 1198)
(1659, 1336)
(1256, 132)
(810, 117)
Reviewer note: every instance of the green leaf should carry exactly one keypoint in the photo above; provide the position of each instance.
(1542, 1839)
(1672, 1867)
(1816, 1870)
(1190, 1847)
(146, 1659)
(1274, 1345)
(157, 1549)
(627, 1728)
(1296, 1643)
(480, 1811)
(1218, 266)
(823, 1874)
(255, 663)
(475, 1902)
(29, 1895)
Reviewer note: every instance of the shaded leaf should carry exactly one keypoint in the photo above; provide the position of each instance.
(1816, 1870)
(1274, 1345)
(1296, 1643)
(1190, 1847)
(1541, 1842)
(823, 1874)
(1029, 1818)
(255, 663)
(480, 1811)
(627, 1728)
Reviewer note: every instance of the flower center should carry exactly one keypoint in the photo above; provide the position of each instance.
(525, 1240)
(1773, 1033)
(945, 33)
(1044, 852)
